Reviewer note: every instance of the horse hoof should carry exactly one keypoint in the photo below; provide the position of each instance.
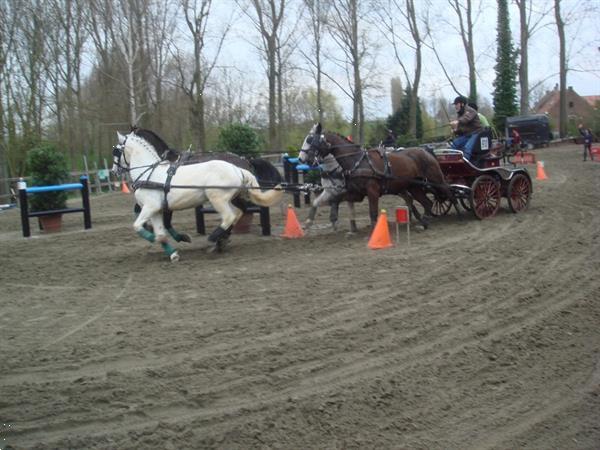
(174, 257)
(221, 244)
(186, 238)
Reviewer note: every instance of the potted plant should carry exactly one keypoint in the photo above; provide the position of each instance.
(47, 166)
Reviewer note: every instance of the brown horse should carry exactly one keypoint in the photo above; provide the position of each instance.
(411, 173)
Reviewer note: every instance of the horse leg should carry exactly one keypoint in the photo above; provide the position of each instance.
(411, 204)
(161, 236)
(334, 209)
(152, 213)
(353, 227)
(316, 203)
(373, 196)
(420, 196)
(179, 237)
(229, 216)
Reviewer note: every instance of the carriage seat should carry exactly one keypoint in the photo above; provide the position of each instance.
(482, 151)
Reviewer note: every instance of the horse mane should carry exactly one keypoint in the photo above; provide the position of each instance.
(266, 173)
(339, 137)
(160, 146)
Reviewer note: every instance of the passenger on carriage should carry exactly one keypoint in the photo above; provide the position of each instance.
(482, 118)
(467, 127)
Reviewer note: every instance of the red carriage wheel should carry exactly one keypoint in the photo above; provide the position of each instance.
(519, 193)
(485, 196)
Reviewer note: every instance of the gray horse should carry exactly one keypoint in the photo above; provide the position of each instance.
(334, 192)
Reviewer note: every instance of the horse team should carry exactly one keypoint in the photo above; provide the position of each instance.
(166, 180)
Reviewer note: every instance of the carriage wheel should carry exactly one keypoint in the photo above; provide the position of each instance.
(485, 196)
(519, 193)
(440, 207)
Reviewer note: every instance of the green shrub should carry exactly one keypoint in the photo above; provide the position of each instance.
(240, 139)
(47, 166)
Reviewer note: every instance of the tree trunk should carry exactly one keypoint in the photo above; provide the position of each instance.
(560, 25)
(524, 52)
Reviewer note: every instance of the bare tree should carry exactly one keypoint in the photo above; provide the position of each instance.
(65, 44)
(560, 26)
(26, 85)
(128, 44)
(395, 31)
(196, 13)
(345, 25)
(464, 13)
(267, 19)
(7, 29)
(316, 17)
(159, 31)
(529, 22)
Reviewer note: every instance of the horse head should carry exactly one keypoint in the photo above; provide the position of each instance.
(120, 163)
(137, 138)
(314, 146)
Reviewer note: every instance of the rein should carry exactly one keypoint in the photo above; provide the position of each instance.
(374, 173)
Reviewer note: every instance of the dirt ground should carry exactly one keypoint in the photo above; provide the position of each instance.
(481, 335)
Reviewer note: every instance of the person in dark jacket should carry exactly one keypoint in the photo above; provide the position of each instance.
(588, 137)
(466, 127)
(390, 139)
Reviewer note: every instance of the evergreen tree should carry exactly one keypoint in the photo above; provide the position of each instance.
(399, 122)
(505, 90)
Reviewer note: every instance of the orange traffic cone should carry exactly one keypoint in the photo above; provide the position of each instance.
(541, 173)
(380, 238)
(292, 226)
(124, 188)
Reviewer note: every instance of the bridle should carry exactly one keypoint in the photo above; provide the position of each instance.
(316, 149)
(119, 154)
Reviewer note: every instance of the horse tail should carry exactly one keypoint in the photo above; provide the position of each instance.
(261, 198)
(266, 173)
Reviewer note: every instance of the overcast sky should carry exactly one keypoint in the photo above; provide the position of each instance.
(583, 38)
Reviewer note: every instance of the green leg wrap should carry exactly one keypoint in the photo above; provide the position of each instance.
(174, 234)
(179, 237)
(147, 235)
(167, 248)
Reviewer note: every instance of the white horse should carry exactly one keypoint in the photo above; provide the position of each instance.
(159, 185)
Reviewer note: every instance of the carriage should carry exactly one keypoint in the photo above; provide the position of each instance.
(480, 184)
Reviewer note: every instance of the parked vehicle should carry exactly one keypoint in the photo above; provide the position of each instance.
(534, 129)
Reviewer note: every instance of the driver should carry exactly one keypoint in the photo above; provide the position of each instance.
(466, 127)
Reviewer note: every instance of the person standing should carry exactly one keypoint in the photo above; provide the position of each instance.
(588, 137)
(466, 126)
(390, 140)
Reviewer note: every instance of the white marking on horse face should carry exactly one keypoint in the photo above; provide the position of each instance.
(302, 156)
(305, 145)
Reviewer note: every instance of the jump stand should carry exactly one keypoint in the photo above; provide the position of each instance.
(24, 191)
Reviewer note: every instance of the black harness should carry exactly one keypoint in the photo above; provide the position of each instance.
(147, 184)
